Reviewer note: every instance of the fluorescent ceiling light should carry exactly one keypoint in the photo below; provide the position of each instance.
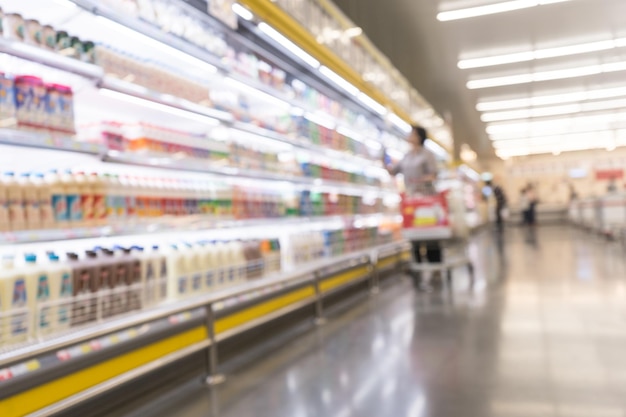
(242, 12)
(547, 75)
(399, 123)
(288, 45)
(542, 54)
(506, 6)
(153, 43)
(258, 93)
(159, 107)
(537, 141)
(339, 81)
(372, 104)
(551, 99)
(554, 110)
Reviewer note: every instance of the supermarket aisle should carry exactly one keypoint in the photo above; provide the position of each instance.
(544, 337)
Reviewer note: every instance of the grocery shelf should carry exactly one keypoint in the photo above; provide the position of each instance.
(139, 92)
(47, 140)
(302, 273)
(50, 58)
(141, 228)
(199, 165)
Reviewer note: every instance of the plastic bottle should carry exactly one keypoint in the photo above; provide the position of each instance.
(85, 287)
(161, 273)
(32, 214)
(240, 262)
(97, 187)
(86, 197)
(107, 280)
(132, 281)
(178, 276)
(72, 192)
(208, 264)
(38, 287)
(46, 214)
(15, 198)
(60, 278)
(58, 199)
(221, 268)
(15, 325)
(194, 266)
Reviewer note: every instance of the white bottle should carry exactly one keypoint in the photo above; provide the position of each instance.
(161, 273)
(178, 286)
(194, 266)
(221, 265)
(16, 317)
(38, 289)
(61, 289)
(58, 199)
(15, 198)
(31, 202)
(207, 264)
(46, 214)
(72, 192)
(238, 259)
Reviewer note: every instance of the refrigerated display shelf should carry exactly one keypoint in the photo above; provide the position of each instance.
(50, 58)
(48, 140)
(199, 165)
(142, 228)
(301, 274)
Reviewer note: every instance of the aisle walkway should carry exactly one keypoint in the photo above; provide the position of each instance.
(543, 333)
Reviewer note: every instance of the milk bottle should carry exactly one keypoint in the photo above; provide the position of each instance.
(72, 193)
(84, 287)
(208, 263)
(239, 261)
(16, 318)
(161, 273)
(60, 279)
(58, 199)
(194, 266)
(107, 279)
(97, 186)
(46, 214)
(38, 287)
(132, 281)
(15, 198)
(178, 276)
(86, 198)
(31, 202)
(221, 260)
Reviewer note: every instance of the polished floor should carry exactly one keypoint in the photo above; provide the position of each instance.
(542, 333)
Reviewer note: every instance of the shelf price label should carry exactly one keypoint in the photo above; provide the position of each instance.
(223, 10)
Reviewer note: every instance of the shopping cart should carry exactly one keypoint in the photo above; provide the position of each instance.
(437, 219)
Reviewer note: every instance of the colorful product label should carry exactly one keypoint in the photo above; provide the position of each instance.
(66, 292)
(99, 207)
(19, 322)
(87, 204)
(43, 294)
(59, 208)
(75, 212)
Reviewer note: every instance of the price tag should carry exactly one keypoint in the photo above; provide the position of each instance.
(5, 374)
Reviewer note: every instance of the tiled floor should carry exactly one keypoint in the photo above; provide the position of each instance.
(542, 333)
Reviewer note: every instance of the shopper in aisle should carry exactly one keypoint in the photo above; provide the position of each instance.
(501, 204)
(419, 168)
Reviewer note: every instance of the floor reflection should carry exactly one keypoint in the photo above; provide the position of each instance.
(530, 338)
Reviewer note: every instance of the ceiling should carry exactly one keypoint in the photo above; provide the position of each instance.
(427, 51)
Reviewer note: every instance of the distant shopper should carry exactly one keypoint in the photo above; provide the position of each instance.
(501, 204)
(525, 206)
(419, 168)
(532, 205)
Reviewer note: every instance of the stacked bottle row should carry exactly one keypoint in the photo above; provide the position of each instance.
(149, 140)
(46, 294)
(36, 201)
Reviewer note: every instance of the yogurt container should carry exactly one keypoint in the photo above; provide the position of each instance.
(25, 108)
(13, 26)
(7, 97)
(48, 37)
(66, 107)
(62, 41)
(32, 32)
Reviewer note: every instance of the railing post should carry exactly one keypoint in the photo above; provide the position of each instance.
(320, 320)
(213, 377)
